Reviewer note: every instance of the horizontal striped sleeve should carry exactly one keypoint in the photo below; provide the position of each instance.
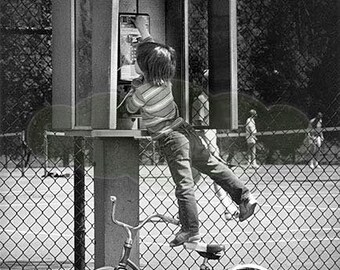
(152, 92)
(157, 96)
(161, 105)
(135, 102)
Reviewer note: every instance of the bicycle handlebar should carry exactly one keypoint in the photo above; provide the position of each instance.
(128, 227)
(206, 250)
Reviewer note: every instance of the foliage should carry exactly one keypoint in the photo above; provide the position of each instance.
(25, 61)
(287, 64)
(287, 54)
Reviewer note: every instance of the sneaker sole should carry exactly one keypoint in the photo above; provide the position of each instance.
(191, 239)
(249, 213)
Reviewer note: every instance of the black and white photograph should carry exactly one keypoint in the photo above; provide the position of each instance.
(169, 135)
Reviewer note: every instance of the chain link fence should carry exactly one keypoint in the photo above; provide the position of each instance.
(286, 72)
(46, 222)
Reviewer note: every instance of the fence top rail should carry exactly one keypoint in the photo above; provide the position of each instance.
(55, 133)
(276, 132)
(19, 133)
(138, 134)
(100, 133)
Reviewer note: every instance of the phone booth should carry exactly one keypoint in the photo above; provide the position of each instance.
(93, 49)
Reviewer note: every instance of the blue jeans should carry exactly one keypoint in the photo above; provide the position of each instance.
(184, 149)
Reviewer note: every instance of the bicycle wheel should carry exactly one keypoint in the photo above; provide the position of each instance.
(248, 267)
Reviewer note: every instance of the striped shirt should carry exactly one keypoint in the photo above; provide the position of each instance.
(158, 108)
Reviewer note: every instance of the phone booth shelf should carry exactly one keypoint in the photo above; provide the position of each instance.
(108, 133)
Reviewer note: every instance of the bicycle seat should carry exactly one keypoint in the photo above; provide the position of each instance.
(209, 251)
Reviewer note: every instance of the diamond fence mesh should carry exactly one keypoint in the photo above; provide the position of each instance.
(47, 206)
(286, 72)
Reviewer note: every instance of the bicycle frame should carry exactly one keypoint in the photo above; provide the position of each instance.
(207, 251)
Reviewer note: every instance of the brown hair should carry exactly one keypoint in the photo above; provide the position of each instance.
(157, 62)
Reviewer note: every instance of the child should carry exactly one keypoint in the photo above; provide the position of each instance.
(178, 140)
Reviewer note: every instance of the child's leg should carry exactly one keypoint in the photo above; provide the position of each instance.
(176, 148)
(222, 175)
(196, 176)
(230, 208)
(209, 140)
(206, 163)
(225, 178)
(185, 194)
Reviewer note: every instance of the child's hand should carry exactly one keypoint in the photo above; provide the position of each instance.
(140, 23)
(137, 82)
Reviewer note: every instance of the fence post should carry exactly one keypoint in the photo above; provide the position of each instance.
(23, 153)
(79, 203)
(45, 152)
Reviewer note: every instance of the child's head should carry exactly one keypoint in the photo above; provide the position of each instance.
(157, 62)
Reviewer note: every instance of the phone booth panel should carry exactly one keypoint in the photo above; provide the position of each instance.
(222, 38)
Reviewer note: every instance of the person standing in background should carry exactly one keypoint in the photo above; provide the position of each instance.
(251, 138)
(315, 139)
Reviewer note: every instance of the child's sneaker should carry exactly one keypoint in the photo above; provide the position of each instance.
(247, 207)
(182, 237)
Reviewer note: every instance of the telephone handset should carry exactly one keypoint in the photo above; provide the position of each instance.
(129, 37)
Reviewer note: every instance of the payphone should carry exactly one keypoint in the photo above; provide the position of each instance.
(129, 37)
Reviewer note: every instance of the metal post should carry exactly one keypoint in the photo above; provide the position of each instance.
(153, 161)
(6, 152)
(23, 152)
(79, 203)
(45, 153)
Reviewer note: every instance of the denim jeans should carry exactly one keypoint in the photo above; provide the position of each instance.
(184, 149)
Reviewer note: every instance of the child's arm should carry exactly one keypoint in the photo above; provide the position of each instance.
(134, 101)
(140, 23)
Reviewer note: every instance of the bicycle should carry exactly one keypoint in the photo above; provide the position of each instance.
(207, 251)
